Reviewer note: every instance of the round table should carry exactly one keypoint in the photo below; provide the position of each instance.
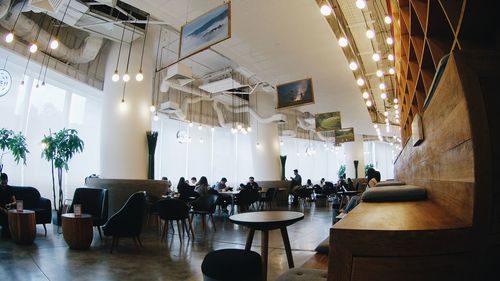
(77, 230)
(266, 221)
(22, 226)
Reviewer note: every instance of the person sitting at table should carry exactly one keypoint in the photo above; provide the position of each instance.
(322, 182)
(202, 186)
(7, 200)
(193, 181)
(373, 177)
(223, 199)
(251, 184)
(169, 185)
(295, 184)
(186, 192)
(308, 184)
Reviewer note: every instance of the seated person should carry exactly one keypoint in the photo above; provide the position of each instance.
(308, 184)
(296, 184)
(224, 199)
(186, 192)
(202, 186)
(350, 184)
(193, 181)
(372, 176)
(7, 200)
(169, 185)
(251, 184)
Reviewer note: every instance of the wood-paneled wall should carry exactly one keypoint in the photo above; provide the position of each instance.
(444, 162)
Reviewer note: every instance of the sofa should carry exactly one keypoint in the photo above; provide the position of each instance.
(33, 201)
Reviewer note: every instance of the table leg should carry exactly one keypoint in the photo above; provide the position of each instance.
(288, 249)
(263, 253)
(248, 245)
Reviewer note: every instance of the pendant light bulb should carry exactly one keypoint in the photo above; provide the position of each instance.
(9, 37)
(361, 4)
(152, 108)
(54, 44)
(239, 126)
(115, 76)
(200, 127)
(126, 77)
(33, 48)
(213, 129)
(191, 124)
(249, 129)
(325, 10)
(156, 118)
(139, 76)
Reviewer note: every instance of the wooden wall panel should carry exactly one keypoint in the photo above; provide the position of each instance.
(444, 162)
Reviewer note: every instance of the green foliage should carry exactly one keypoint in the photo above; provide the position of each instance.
(368, 166)
(341, 171)
(15, 143)
(61, 146)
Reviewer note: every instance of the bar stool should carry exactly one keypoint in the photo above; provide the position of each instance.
(232, 264)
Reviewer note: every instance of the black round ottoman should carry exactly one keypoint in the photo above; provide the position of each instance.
(232, 264)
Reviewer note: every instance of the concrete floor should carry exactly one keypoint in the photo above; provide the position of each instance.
(49, 258)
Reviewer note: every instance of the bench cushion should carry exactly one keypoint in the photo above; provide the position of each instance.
(305, 274)
(324, 246)
(394, 193)
(390, 183)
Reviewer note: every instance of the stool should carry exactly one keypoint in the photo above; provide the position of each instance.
(298, 274)
(232, 264)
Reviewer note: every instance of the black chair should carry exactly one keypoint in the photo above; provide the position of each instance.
(204, 205)
(94, 201)
(174, 209)
(188, 195)
(268, 197)
(245, 198)
(232, 264)
(33, 201)
(303, 194)
(127, 222)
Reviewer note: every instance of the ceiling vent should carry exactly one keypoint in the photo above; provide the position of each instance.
(180, 74)
(169, 107)
(220, 85)
(48, 5)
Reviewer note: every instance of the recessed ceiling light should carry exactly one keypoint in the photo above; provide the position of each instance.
(353, 66)
(366, 95)
(390, 57)
(389, 40)
(383, 96)
(381, 86)
(370, 33)
(388, 19)
(391, 71)
(386, 114)
(343, 42)
(361, 4)
(396, 101)
(379, 73)
(360, 81)
(325, 10)
(396, 106)
(376, 57)
(368, 103)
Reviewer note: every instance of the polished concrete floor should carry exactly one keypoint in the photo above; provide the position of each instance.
(49, 258)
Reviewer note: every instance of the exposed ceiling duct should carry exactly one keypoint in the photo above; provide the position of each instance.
(27, 29)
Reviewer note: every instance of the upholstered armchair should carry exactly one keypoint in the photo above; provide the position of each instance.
(128, 221)
(33, 201)
(94, 201)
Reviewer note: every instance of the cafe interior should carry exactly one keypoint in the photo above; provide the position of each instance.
(249, 140)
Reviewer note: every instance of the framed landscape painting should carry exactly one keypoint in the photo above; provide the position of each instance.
(295, 93)
(329, 121)
(344, 135)
(205, 31)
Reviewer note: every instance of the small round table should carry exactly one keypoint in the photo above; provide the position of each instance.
(266, 221)
(22, 226)
(77, 230)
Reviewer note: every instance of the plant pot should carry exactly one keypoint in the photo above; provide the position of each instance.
(56, 217)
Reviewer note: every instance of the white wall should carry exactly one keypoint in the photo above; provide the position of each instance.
(382, 156)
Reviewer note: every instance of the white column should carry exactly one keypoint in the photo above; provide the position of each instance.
(354, 151)
(266, 156)
(124, 150)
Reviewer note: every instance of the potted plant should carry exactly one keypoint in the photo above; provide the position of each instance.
(341, 170)
(15, 143)
(59, 148)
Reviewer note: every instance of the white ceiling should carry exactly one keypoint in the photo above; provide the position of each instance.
(281, 41)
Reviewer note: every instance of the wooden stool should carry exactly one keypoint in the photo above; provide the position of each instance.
(77, 230)
(22, 226)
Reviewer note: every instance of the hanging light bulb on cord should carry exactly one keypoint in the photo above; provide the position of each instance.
(115, 76)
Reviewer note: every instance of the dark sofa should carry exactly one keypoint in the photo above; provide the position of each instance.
(33, 201)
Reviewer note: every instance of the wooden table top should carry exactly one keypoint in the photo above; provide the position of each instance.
(72, 216)
(25, 211)
(399, 216)
(267, 220)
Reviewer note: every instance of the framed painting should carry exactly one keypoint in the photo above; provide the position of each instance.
(329, 121)
(344, 135)
(205, 31)
(295, 93)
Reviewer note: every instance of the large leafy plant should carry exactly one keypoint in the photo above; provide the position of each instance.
(59, 148)
(15, 143)
(341, 170)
